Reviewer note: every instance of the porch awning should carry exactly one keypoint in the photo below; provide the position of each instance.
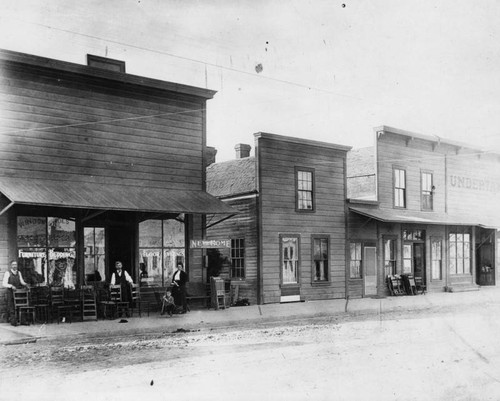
(86, 195)
(416, 217)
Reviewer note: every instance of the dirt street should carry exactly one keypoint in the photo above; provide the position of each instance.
(444, 356)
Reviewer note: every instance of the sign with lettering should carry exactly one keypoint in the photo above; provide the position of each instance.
(210, 243)
(459, 181)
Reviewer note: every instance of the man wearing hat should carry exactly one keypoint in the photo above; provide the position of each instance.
(12, 280)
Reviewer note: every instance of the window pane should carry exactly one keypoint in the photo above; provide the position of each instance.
(61, 232)
(290, 259)
(151, 260)
(33, 265)
(62, 268)
(173, 232)
(150, 233)
(31, 231)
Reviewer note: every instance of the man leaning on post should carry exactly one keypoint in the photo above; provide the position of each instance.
(12, 280)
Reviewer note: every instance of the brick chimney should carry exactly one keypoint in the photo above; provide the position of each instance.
(210, 153)
(242, 150)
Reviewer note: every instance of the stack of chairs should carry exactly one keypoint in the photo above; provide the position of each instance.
(395, 285)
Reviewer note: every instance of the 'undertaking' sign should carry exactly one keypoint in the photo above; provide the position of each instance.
(210, 243)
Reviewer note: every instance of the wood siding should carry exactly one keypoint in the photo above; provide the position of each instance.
(277, 161)
(66, 126)
(243, 225)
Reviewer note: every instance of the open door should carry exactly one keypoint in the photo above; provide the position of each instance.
(370, 269)
(121, 247)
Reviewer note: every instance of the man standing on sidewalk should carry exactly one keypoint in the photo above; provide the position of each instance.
(12, 280)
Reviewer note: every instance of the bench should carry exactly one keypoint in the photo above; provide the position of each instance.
(198, 292)
(150, 297)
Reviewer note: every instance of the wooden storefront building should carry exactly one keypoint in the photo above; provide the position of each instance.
(424, 206)
(288, 242)
(98, 165)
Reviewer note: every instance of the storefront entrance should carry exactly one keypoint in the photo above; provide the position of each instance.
(121, 247)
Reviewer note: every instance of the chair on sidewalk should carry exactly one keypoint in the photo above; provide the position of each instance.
(395, 285)
(115, 295)
(23, 307)
(220, 298)
(420, 285)
(89, 304)
(136, 299)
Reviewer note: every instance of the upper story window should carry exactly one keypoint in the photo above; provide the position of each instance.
(304, 183)
(399, 187)
(427, 191)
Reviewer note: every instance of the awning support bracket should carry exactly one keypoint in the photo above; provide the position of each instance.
(220, 221)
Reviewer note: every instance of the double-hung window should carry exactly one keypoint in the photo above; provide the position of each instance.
(399, 187)
(427, 191)
(304, 183)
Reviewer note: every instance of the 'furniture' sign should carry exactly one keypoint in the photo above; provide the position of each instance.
(210, 243)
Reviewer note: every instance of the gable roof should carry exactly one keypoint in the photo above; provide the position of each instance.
(233, 177)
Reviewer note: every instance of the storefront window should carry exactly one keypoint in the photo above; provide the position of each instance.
(290, 259)
(42, 239)
(389, 256)
(161, 247)
(94, 243)
(355, 263)
(459, 242)
(407, 258)
(436, 259)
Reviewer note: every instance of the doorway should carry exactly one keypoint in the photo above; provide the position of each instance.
(121, 247)
(419, 260)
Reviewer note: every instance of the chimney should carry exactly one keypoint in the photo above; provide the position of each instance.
(210, 153)
(242, 150)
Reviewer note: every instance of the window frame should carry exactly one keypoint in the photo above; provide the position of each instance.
(459, 231)
(428, 192)
(239, 258)
(396, 189)
(298, 268)
(315, 237)
(432, 241)
(394, 240)
(361, 267)
(312, 191)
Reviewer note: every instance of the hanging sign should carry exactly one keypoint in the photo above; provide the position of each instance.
(210, 243)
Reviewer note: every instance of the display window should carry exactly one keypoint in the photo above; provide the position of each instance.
(46, 250)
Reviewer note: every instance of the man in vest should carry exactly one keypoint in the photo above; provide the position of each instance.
(123, 279)
(12, 280)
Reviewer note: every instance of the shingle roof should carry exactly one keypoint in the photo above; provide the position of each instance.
(234, 177)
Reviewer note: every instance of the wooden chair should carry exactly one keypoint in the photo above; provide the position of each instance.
(136, 299)
(89, 304)
(57, 307)
(395, 285)
(115, 292)
(23, 307)
(420, 285)
(218, 290)
(40, 298)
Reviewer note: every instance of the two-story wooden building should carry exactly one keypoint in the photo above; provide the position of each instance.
(288, 241)
(425, 206)
(98, 165)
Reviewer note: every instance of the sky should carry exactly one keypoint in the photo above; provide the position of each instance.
(325, 70)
